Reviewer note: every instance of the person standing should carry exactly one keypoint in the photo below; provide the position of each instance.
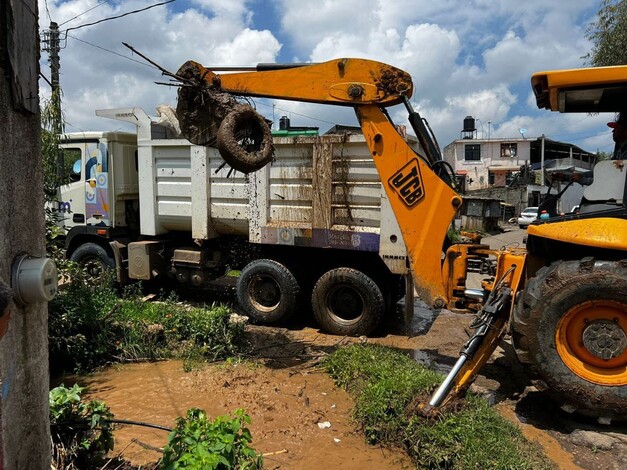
(619, 135)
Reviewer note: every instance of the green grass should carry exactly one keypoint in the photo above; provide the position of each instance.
(90, 326)
(386, 385)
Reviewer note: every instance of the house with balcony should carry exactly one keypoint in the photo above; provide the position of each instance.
(512, 169)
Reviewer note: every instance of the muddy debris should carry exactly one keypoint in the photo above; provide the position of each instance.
(393, 81)
(245, 140)
(211, 117)
(419, 407)
(201, 108)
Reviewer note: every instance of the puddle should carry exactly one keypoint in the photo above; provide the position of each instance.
(551, 447)
(285, 406)
(425, 359)
(422, 319)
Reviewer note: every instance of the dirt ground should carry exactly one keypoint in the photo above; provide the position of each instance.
(300, 420)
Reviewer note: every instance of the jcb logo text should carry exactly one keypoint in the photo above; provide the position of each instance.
(408, 184)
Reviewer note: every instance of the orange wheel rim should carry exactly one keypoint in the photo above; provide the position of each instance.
(591, 339)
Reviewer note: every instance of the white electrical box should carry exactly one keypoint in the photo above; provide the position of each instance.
(34, 280)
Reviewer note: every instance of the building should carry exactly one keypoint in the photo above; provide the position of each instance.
(487, 164)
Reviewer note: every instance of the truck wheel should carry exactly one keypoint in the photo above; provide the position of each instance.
(347, 302)
(93, 258)
(267, 291)
(245, 140)
(570, 328)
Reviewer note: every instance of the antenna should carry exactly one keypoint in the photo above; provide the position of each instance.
(522, 131)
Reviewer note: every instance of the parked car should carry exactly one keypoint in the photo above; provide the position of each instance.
(527, 216)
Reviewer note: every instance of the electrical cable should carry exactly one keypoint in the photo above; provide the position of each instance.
(48, 11)
(118, 16)
(80, 14)
(110, 51)
(114, 421)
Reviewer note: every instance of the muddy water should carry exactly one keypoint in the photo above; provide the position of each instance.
(551, 447)
(285, 406)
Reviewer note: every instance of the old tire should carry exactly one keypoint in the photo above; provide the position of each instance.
(347, 302)
(93, 258)
(245, 140)
(267, 291)
(570, 329)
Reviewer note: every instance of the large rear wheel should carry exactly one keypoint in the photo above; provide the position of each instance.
(570, 328)
(347, 302)
(267, 291)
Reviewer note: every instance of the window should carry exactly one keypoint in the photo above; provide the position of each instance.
(73, 163)
(508, 150)
(472, 152)
(491, 177)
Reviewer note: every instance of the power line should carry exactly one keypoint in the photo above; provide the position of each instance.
(110, 51)
(119, 16)
(48, 11)
(80, 14)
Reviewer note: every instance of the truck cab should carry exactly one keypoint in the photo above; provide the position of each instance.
(103, 193)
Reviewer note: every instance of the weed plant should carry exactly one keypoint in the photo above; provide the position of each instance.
(93, 325)
(386, 383)
(200, 443)
(81, 431)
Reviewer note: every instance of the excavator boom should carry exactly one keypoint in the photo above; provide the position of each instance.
(347, 82)
(423, 203)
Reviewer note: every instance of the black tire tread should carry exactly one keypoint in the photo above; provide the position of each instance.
(375, 302)
(92, 249)
(559, 287)
(290, 291)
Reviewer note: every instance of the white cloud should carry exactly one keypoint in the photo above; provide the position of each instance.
(466, 57)
(94, 74)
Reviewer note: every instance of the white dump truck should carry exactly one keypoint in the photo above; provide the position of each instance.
(313, 230)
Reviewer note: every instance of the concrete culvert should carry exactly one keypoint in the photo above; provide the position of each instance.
(245, 139)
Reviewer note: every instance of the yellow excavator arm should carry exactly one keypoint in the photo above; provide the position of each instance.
(346, 82)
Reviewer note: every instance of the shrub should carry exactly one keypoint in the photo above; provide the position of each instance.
(90, 326)
(81, 326)
(81, 431)
(223, 443)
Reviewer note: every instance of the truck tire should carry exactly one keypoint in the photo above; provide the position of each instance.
(245, 140)
(93, 258)
(347, 302)
(267, 291)
(570, 329)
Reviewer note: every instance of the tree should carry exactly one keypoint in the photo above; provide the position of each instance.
(56, 169)
(608, 35)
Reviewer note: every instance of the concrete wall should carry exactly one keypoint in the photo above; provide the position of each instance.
(24, 423)
(514, 196)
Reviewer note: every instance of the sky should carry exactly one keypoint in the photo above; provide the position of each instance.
(465, 57)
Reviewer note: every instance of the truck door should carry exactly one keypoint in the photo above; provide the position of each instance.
(85, 200)
(71, 201)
